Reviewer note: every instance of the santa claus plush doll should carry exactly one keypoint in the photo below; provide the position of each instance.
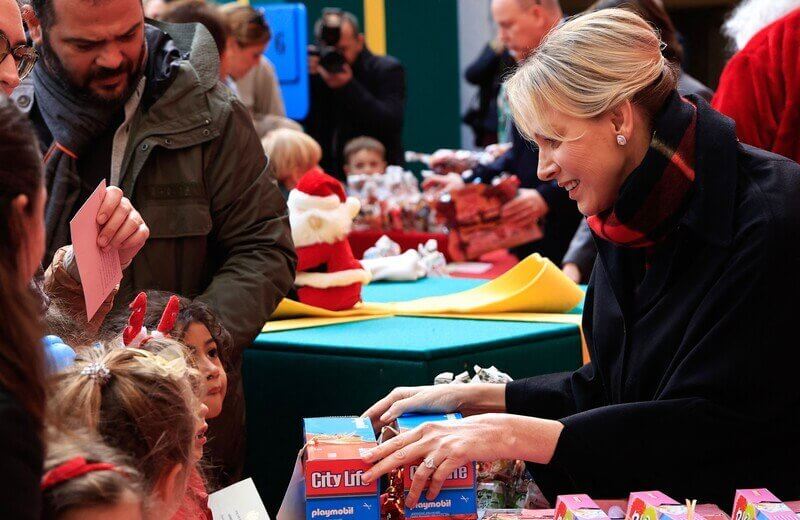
(328, 275)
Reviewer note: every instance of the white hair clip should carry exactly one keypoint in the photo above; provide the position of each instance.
(99, 372)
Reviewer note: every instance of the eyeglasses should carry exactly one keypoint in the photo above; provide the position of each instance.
(24, 55)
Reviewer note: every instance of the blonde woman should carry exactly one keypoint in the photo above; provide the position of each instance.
(692, 384)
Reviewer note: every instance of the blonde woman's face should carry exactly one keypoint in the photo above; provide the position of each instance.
(588, 163)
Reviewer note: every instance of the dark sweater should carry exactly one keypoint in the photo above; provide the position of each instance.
(23, 459)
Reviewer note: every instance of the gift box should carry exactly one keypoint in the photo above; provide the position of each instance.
(578, 507)
(760, 504)
(333, 466)
(473, 216)
(457, 498)
(655, 505)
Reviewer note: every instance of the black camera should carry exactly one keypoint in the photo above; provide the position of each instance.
(328, 32)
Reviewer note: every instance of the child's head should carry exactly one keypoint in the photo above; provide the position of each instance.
(291, 153)
(364, 155)
(207, 341)
(141, 404)
(85, 479)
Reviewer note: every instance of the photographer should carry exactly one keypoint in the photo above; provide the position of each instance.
(353, 92)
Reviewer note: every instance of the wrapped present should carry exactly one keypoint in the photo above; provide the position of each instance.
(578, 507)
(760, 504)
(473, 217)
(655, 505)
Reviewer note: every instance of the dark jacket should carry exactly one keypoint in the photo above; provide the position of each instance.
(219, 231)
(562, 218)
(692, 388)
(487, 73)
(372, 104)
(23, 459)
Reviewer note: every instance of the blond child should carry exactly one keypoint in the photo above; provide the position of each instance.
(142, 405)
(291, 154)
(364, 155)
(85, 479)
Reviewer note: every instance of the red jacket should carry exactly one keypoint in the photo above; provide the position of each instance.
(760, 88)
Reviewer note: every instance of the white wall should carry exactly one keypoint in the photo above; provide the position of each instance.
(475, 29)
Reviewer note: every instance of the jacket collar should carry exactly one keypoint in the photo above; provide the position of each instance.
(711, 206)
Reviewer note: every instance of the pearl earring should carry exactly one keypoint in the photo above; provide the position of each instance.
(621, 140)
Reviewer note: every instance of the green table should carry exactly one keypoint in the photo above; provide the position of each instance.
(343, 369)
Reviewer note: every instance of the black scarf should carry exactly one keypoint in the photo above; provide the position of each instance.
(76, 120)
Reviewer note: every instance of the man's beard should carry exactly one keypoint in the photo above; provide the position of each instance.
(83, 88)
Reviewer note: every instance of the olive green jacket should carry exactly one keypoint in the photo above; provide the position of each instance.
(193, 166)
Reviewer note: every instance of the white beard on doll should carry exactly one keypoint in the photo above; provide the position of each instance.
(315, 225)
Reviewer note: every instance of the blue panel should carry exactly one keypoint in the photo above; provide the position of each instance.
(411, 420)
(287, 51)
(343, 508)
(335, 425)
(450, 502)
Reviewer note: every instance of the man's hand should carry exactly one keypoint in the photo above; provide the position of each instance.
(336, 80)
(527, 207)
(313, 63)
(121, 226)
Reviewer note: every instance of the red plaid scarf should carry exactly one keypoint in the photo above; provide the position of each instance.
(653, 197)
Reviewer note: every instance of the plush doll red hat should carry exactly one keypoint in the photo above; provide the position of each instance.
(320, 215)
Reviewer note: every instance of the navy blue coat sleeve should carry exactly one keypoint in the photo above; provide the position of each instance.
(731, 379)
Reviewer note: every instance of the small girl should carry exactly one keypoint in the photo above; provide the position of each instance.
(208, 343)
(85, 479)
(291, 154)
(141, 404)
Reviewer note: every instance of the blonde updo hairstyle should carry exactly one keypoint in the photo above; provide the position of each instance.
(588, 66)
(144, 405)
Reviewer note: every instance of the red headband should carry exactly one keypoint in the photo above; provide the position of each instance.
(138, 309)
(73, 468)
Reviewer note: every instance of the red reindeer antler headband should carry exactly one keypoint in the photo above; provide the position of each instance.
(136, 329)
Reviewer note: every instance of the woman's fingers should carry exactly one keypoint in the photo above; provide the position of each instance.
(111, 200)
(444, 470)
(378, 409)
(400, 457)
(420, 478)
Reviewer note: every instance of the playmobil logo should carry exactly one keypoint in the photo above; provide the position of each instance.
(327, 513)
(434, 505)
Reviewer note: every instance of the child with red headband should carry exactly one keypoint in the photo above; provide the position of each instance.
(142, 404)
(85, 479)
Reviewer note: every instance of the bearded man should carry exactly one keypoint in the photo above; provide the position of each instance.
(139, 104)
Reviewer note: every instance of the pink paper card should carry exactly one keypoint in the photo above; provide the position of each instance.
(100, 271)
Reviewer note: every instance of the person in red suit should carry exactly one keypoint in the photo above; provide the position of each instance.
(320, 215)
(760, 88)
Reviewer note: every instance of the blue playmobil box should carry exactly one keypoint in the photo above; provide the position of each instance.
(457, 498)
(333, 467)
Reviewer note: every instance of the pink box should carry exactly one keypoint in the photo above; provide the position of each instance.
(655, 505)
(578, 507)
(760, 504)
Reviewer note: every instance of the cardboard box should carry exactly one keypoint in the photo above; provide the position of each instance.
(759, 504)
(655, 505)
(457, 498)
(578, 507)
(333, 467)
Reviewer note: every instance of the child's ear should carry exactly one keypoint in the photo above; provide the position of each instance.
(171, 486)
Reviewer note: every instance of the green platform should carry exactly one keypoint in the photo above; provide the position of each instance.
(343, 369)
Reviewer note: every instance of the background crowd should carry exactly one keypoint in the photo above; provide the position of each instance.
(179, 112)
